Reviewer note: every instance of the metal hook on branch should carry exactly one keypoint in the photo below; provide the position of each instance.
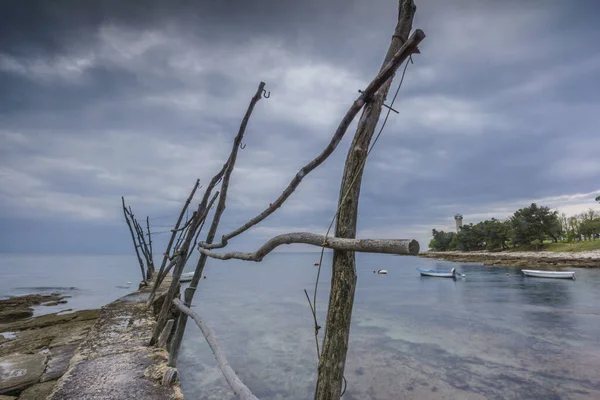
(242, 146)
(266, 94)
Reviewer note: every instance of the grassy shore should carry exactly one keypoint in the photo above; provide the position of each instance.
(552, 255)
(563, 247)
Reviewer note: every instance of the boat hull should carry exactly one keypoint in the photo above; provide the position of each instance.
(549, 274)
(437, 274)
(187, 277)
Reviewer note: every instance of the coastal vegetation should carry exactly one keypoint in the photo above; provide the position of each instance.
(529, 228)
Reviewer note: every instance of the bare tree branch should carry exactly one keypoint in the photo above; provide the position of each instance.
(239, 389)
(403, 53)
(202, 224)
(133, 239)
(229, 165)
(406, 247)
(158, 281)
(143, 245)
(150, 243)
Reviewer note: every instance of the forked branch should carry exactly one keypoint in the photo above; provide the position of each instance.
(390, 69)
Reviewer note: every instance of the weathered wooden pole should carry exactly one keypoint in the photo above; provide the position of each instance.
(229, 166)
(174, 232)
(142, 243)
(150, 244)
(343, 280)
(161, 275)
(135, 245)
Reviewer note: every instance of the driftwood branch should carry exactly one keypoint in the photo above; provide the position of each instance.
(239, 389)
(160, 276)
(399, 57)
(228, 169)
(133, 239)
(150, 242)
(179, 219)
(143, 245)
(407, 247)
(202, 223)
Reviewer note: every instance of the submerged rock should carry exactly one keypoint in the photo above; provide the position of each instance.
(14, 314)
(19, 307)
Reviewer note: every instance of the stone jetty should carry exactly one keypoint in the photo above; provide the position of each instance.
(91, 354)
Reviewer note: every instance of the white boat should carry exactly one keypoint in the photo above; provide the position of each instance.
(438, 273)
(549, 274)
(186, 277)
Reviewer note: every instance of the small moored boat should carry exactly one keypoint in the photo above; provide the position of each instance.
(381, 271)
(186, 277)
(438, 273)
(549, 274)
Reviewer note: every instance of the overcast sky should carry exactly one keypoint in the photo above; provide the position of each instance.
(100, 99)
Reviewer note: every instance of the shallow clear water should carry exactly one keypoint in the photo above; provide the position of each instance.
(91, 281)
(485, 336)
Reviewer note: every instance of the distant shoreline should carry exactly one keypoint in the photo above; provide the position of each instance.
(541, 259)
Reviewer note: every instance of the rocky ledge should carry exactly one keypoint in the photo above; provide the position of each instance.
(35, 352)
(541, 259)
(20, 307)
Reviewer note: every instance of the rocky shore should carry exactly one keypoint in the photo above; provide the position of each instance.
(35, 352)
(20, 307)
(541, 259)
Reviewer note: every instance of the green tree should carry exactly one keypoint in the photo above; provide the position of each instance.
(494, 233)
(470, 238)
(534, 223)
(598, 199)
(589, 224)
(441, 240)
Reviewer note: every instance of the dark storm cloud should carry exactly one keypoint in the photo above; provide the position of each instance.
(139, 98)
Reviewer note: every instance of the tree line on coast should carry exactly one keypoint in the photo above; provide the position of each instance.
(528, 226)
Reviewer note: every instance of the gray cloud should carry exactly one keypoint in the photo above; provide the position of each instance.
(103, 98)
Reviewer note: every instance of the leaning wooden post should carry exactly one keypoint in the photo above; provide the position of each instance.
(343, 280)
(229, 166)
(150, 246)
(142, 242)
(188, 294)
(160, 275)
(177, 270)
(133, 239)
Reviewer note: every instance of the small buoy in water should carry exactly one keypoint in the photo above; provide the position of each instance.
(316, 264)
(507, 274)
(204, 276)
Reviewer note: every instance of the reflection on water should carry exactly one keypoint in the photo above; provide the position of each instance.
(487, 335)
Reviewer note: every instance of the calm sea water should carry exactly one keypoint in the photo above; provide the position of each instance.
(487, 335)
